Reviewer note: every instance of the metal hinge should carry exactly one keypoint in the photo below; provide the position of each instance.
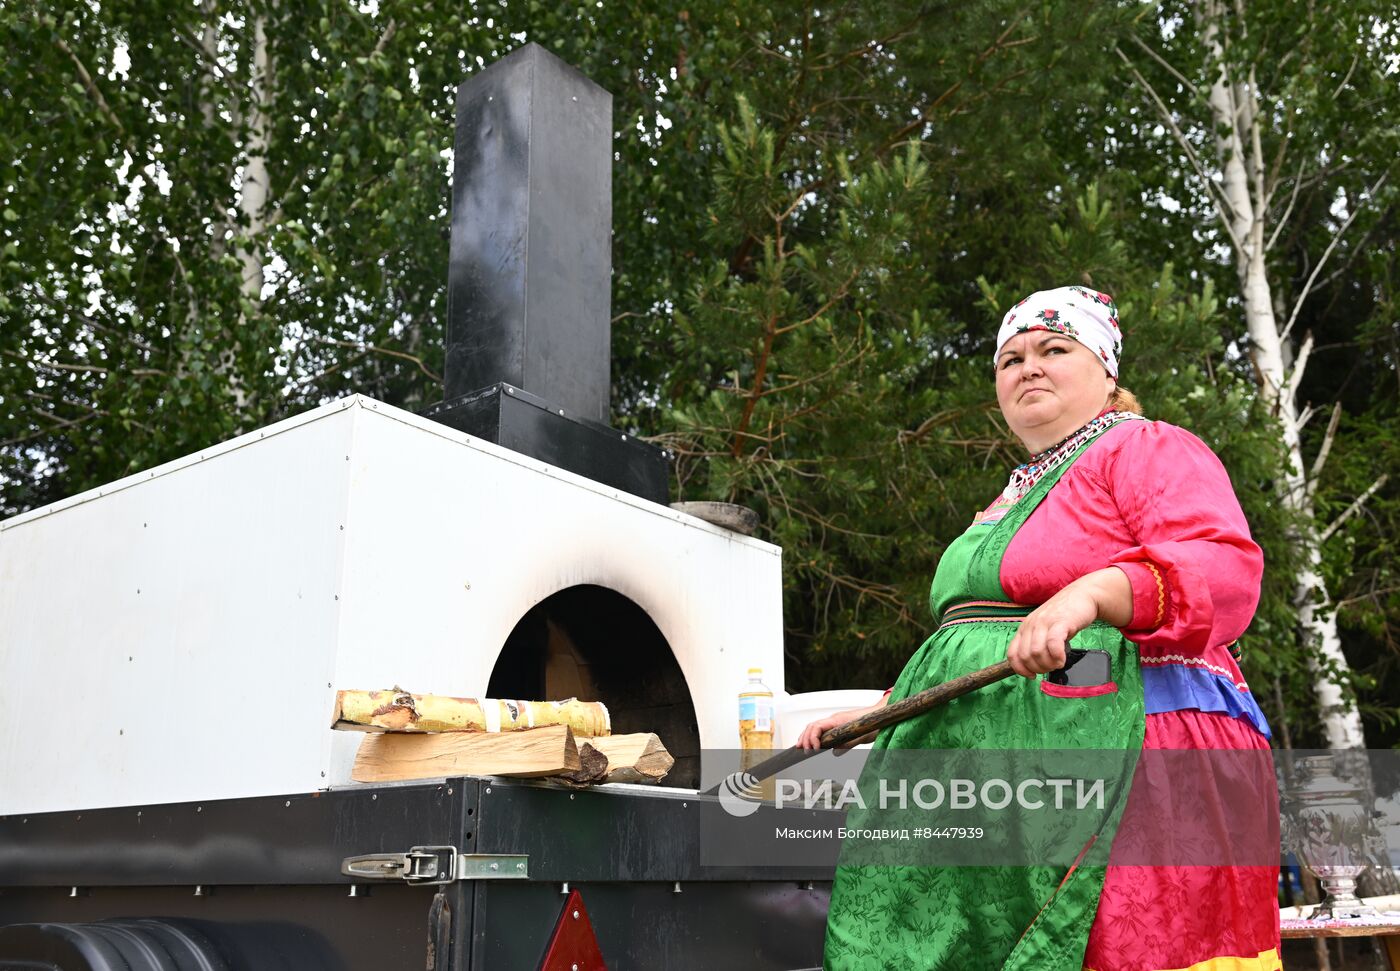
(436, 865)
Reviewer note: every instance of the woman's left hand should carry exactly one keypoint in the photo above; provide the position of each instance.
(1043, 637)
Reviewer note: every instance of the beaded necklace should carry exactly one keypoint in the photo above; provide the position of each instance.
(1025, 476)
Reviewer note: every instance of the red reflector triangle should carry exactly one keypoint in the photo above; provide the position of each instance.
(573, 946)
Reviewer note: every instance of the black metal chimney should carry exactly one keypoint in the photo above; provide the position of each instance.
(529, 277)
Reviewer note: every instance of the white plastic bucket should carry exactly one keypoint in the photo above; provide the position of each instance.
(795, 711)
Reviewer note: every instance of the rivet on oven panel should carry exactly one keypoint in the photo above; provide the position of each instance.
(564, 887)
(373, 796)
(354, 890)
(571, 797)
(676, 887)
(488, 790)
(495, 866)
(576, 915)
(198, 890)
(287, 803)
(199, 809)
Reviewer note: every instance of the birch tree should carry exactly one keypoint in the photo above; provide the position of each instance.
(221, 212)
(1248, 96)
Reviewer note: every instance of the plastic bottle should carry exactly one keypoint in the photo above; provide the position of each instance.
(755, 717)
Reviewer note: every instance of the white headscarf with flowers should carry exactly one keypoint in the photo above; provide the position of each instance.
(1080, 313)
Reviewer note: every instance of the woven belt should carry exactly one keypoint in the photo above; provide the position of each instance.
(974, 611)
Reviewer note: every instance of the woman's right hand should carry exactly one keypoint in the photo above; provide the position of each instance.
(811, 737)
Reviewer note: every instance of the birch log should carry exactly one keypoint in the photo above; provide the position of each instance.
(397, 710)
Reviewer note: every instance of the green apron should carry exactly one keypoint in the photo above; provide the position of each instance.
(1009, 917)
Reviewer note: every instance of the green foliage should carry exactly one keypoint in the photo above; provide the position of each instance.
(820, 215)
(1324, 74)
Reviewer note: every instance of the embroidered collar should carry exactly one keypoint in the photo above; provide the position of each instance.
(1025, 476)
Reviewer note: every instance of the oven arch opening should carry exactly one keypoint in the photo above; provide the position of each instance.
(595, 644)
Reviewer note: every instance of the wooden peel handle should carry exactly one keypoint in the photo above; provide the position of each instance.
(886, 716)
(915, 704)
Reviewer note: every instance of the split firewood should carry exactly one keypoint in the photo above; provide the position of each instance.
(400, 711)
(593, 768)
(639, 758)
(539, 752)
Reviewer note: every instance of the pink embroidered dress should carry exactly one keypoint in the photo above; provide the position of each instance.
(1153, 500)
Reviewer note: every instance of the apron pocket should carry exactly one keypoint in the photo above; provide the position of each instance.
(1086, 691)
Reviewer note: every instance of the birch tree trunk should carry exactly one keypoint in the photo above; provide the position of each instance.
(252, 202)
(1243, 199)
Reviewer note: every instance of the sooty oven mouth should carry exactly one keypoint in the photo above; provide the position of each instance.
(593, 643)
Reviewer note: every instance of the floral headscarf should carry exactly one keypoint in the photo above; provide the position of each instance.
(1085, 315)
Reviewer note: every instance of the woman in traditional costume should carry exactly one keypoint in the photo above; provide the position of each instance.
(1125, 535)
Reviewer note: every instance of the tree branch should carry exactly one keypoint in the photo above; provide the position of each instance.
(1212, 190)
(61, 423)
(390, 29)
(1353, 509)
(93, 90)
(923, 116)
(43, 297)
(1327, 439)
(1336, 238)
(1181, 78)
(371, 349)
(1355, 59)
(760, 373)
(56, 365)
(1299, 363)
(1288, 210)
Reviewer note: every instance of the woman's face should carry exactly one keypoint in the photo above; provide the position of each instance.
(1048, 385)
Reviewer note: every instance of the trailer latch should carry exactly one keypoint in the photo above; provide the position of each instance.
(436, 865)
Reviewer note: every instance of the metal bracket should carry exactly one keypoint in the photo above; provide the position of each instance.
(433, 865)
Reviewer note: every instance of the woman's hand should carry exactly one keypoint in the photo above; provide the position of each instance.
(1043, 637)
(811, 737)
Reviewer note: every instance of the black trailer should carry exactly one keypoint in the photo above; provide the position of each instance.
(466, 874)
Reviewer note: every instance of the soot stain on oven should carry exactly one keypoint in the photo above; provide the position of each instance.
(595, 644)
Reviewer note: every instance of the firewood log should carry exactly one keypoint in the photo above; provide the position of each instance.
(393, 756)
(639, 758)
(400, 711)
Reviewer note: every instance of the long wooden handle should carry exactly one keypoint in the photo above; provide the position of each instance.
(884, 717)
